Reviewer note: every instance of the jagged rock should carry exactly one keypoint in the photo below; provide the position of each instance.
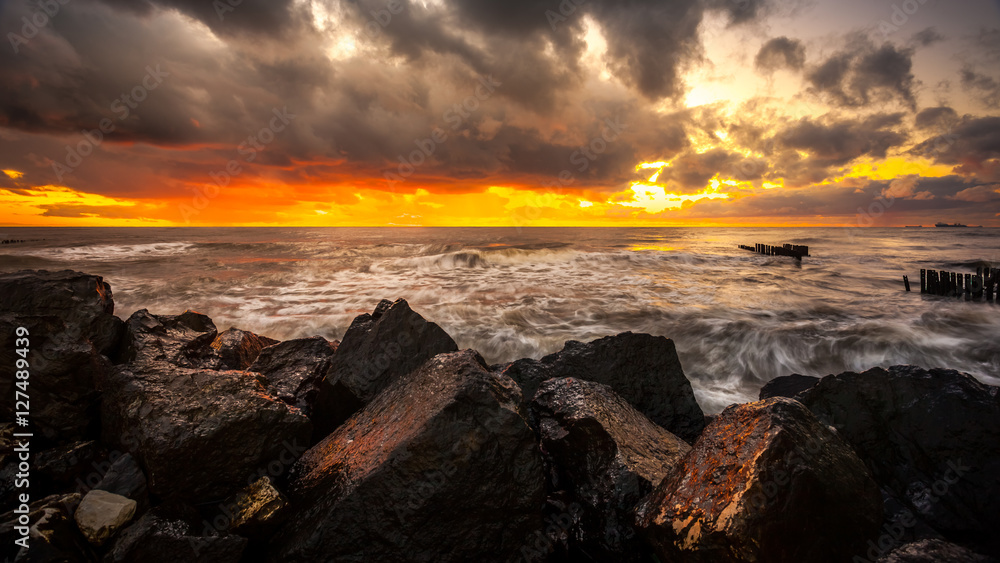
(256, 511)
(166, 534)
(607, 456)
(239, 348)
(198, 433)
(376, 350)
(296, 368)
(643, 369)
(183, 340)
(930, 439)
(52, 534)
(126, 478)
(768, 482)
(70, 322)
(934, 551)
(84, 303)
(441, 464)
(787, 386)
(101, 514)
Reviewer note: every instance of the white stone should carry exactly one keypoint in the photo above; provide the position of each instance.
(101, 514)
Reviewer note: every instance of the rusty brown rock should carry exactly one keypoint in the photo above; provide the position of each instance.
(239, 348)
(766, 481)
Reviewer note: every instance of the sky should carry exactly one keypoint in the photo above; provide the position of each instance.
(499, 112)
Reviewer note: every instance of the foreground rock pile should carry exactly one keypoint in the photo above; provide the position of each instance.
(161, 439)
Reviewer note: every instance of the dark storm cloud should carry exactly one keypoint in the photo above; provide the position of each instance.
(837, 142)
(985, 88)
(927, 37)
(227, 17)
(692, 171)
(780, 52)
(863, 74)
(939, 117)
(972, 146)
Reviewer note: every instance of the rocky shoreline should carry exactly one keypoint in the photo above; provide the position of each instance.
(161, 439)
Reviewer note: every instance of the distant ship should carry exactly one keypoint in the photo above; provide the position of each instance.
(951, 225)
(914, 227)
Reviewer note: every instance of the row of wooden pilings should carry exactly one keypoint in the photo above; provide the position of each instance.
(793, 250)
(11, 241)
(981, 286)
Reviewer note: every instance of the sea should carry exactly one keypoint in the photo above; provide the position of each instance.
(738, 319)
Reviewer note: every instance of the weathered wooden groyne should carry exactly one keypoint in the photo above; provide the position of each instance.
(793, 250)
(981, 286)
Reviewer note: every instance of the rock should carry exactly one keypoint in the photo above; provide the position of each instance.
(256, 511)
(441, 464)
(930, 439)
(643, 369)
(607, 456)
(55, 470)
(198, 433)
(101, 514)
(166, 535)
(296, 369)
(376, 350)
(934, 551)
(239, 348)
(126, 478)
(52, 534)
(70, 323)
(183, 340)
(83, 303)
(787, 386)
(765, 482)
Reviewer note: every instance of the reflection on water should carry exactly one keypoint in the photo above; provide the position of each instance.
(738, 318)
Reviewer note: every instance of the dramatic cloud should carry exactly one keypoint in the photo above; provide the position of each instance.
(863, 74)
(985, 88)
(779, 53)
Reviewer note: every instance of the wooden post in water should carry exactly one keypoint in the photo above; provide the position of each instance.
(953, 283)
(990, 281)
(977, 287)
(968, 287)
(923, 281)
(906, 282)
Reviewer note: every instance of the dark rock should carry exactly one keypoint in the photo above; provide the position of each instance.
(183, 340)
(787, 386)
(126, 478)
(53, 536)
(70, 324)
(930, 439)
(376, 350)
(934, 551)
(198, 433)
(55, 470)
(167, 534)
(239, 348)
(256, 511)
(765, 482)
(296, 369)
(643, 369)
(607, 456)
(84, 303)
(441, 464)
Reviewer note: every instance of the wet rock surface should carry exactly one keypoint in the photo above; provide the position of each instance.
(442, 463)
(766, 481)
(183, 340)
(787, 386)
(603, 456)
(239, 348)
(296, 369)
(643, 369)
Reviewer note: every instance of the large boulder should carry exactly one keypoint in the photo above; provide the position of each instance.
(934, 551)
(296, 369)
(441, 466)
(183, 340)
(606, 456)
(787, 386)
(930, 439)
(239, 348)
(62, 324)
(198, 433)
(766, 481)
(167, 534)
(643, 369)
(376, 350)
(124, 477)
